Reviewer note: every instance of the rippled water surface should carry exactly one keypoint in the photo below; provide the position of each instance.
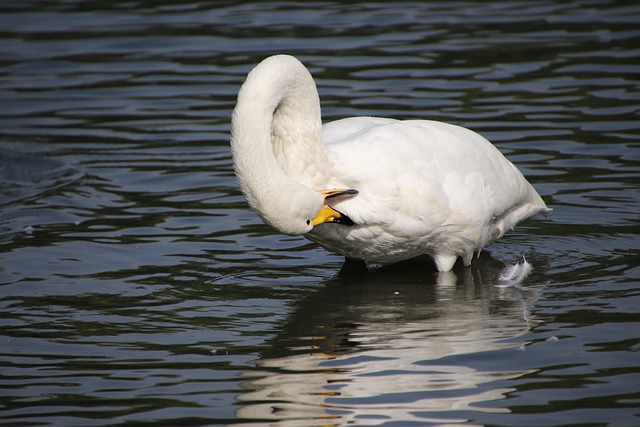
(136, 287)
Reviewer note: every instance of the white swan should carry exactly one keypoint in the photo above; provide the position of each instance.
(373, 189)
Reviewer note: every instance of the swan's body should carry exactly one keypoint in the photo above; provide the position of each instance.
(421, 187)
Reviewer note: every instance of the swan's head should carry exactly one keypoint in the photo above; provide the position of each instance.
(298, 212)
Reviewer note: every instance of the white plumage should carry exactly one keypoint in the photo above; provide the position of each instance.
(374, 189)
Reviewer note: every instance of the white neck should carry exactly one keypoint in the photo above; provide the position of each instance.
(276, 139)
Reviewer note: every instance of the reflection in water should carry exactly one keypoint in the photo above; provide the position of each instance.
(388, 347)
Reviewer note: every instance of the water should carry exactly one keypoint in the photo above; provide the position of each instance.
(136, 288)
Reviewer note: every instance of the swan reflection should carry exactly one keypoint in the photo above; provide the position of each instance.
(390, 346)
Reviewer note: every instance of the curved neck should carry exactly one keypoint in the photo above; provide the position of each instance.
(296, 136)
(282, 96)
(276, 133)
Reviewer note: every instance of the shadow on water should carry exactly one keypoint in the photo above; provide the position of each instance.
(383, 346)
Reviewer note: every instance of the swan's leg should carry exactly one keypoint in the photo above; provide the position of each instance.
(466, 259)
(444, 262)
(352, 267)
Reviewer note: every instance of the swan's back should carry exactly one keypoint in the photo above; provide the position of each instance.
(440, 188)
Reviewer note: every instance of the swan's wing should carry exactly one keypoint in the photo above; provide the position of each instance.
(419, 176)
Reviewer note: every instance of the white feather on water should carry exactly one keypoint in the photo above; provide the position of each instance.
(513, 275)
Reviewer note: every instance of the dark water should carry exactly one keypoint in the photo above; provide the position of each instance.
(136, 288)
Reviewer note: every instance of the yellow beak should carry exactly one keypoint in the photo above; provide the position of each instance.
(329, 214)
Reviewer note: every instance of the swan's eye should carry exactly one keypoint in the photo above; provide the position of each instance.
(308, 222)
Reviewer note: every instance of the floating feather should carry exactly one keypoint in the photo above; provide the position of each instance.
(514, 274)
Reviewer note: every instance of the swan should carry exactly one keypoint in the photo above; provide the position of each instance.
(374, 189)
